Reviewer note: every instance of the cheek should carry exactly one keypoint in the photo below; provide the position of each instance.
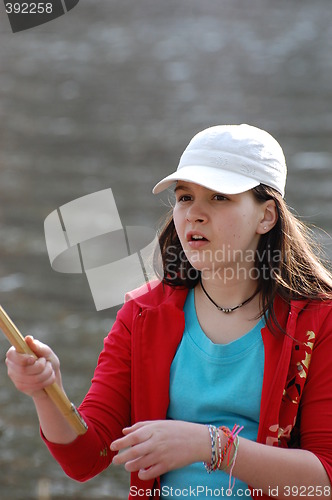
(229, 227)
(178, 223)
(175, 218)
(236, 229)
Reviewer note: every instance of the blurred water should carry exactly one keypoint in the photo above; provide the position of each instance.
(108, 96)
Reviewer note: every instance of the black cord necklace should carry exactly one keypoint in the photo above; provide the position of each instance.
(226, 309)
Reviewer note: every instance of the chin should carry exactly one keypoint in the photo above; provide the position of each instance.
(201, 266)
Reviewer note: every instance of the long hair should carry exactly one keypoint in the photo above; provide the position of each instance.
(287, 260)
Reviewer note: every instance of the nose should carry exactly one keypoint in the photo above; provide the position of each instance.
(195, 213)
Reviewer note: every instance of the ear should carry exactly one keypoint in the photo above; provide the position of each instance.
(269, 217)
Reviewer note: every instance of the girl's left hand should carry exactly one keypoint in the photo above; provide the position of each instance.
(157, 446)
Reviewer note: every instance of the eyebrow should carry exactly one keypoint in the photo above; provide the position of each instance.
(181, 187)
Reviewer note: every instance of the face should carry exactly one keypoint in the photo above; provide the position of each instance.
(217, 230)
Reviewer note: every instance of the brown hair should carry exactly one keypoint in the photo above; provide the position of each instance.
(288, 253)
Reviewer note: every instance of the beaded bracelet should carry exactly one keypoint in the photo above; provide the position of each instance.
(220, 452)
(212, 466)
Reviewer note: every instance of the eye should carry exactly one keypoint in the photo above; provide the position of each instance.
(183, 197)
(219, 197)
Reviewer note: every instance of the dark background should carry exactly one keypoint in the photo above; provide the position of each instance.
(109, 95)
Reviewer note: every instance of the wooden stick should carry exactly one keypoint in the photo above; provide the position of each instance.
(56, 394)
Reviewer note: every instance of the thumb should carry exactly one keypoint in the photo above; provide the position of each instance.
(40, 350)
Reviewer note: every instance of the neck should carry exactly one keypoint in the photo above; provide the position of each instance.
(227, 294)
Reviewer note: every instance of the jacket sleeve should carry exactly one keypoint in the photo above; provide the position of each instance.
(316, 401)
(105, 408)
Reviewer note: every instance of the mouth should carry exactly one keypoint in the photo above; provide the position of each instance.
(196, 237)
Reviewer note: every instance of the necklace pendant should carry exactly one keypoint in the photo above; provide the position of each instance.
(225, 310)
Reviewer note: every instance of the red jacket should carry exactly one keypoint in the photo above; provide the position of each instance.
(131, 381)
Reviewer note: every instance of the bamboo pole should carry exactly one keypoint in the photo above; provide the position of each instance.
(56, 394)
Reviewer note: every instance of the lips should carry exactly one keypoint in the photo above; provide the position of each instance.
(196, 236)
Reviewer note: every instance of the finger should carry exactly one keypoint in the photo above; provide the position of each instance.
(26, 366)
(134, 460)
(133, 428)
(39, 375)
(132, 453)
(18, 358)
(21, 370)
(41, 350)
(44, 351)
(132, 439)
(32, 386)
(143, 463)
(41, 367)
(42, 370)
(151, 472)
(122, 443)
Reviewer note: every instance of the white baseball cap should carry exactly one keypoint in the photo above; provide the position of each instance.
(231, 159)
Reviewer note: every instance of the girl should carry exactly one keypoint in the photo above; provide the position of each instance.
(217, 381)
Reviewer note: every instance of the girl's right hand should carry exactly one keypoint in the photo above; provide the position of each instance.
(31, 375)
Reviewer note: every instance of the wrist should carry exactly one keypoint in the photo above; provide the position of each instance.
(206, 444)
(223, 448)
(39, 397)
(200, 446)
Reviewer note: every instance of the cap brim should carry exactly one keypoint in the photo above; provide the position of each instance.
(216, 179)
